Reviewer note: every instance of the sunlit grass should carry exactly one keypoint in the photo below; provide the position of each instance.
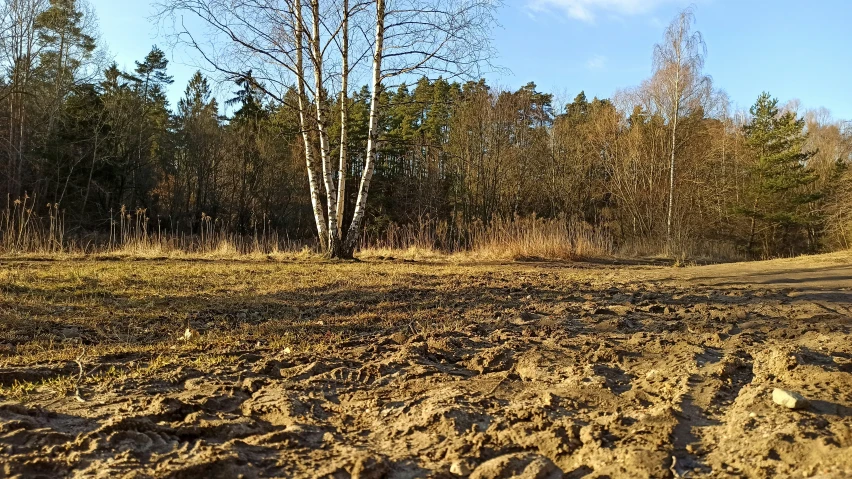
(130, 317)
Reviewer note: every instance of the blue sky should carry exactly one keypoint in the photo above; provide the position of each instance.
(791, 48)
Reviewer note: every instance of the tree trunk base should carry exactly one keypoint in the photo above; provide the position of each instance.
(339, 250)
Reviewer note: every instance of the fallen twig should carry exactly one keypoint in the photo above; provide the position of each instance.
(673, 468)
(77, 395)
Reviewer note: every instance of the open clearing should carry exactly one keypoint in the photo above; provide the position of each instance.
(389, 369)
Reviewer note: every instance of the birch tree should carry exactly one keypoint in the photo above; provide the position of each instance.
(19, 50)
(311, 47)
(679, 88)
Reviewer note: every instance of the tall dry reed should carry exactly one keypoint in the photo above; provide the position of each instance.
(512, 239)
(22, 230)
(134, 233)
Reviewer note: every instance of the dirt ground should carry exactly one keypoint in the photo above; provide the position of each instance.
(226, 369)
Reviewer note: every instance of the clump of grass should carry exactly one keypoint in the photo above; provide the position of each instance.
(501, 239)
(536, 238)
(21, 391)
(22, 230)
(206, 362)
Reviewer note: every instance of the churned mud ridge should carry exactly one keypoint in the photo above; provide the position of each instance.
(644, 379)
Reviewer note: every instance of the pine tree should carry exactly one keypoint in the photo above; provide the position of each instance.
(249, 98)
(780, 176)
(67, 43)
(152, 120)
(197, 136)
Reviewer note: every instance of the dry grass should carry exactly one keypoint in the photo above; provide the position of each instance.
(535, 238)
(133, 235)
(528, 238)
(56, 311)
(22, 230)
(137, 312)
(683, 251)
(412, 253)
(26, 234)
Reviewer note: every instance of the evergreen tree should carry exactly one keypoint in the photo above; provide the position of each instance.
(122, 107)
(66, 41)
(244, 135)
(151, 127)
(196, 156)
(249, 98)
(779, 219)
(59, 88)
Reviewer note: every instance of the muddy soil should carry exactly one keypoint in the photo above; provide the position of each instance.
(663, 374)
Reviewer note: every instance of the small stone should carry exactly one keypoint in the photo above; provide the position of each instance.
(789, 399)
(524, 318)
(460, 468)
(189, 334)
(549, 399)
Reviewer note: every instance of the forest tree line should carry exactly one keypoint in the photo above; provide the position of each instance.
(665, 166)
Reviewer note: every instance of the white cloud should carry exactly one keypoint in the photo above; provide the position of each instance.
(598, 62)
(587, 10)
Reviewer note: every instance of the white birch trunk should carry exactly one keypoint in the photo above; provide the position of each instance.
(344, 116)
(677, 98)
(316, 202)
(327, 172)
(372, 132)
(671, 178)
